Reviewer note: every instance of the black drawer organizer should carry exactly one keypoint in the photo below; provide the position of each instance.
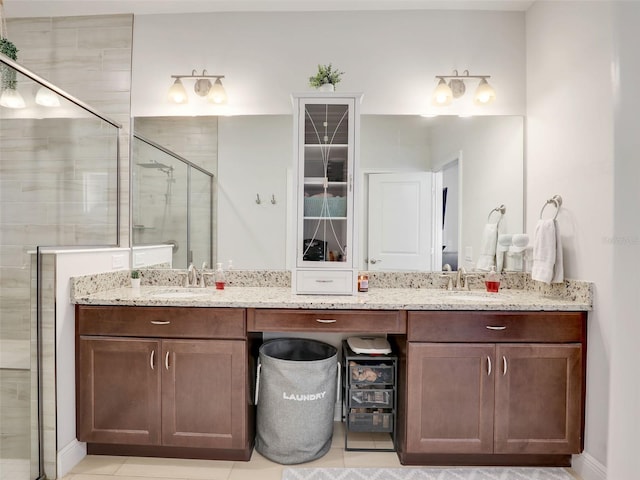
(370, 397)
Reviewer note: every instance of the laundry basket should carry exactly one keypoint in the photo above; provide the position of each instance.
(296, 388)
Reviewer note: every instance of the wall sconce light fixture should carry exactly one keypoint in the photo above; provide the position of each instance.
(47, 97)
(445, 92)
(203, 87)
(11, 98)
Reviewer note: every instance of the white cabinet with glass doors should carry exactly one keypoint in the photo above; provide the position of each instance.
(325, 143)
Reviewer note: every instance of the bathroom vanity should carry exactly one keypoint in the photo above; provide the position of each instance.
(481, 380)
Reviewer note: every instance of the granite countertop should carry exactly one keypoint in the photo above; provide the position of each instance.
(374, 299)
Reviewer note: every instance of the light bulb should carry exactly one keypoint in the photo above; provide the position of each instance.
(442, 95)
(11, 98)
(177, 93)
(217, 94)
(47, 98)
(485, 94)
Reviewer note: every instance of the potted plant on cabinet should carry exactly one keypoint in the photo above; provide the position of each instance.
(326, 78)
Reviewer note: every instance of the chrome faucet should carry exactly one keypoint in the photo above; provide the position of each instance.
(203, 274)
(192, 276)
(458, 280)
(448, 274)
(462, 279)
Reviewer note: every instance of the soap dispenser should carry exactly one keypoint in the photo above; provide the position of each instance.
(492, 281)
(220, 277)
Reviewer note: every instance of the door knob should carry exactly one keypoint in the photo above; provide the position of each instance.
(373, 261)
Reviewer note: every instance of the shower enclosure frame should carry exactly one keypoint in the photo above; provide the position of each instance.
(190, 165)
(4, 60)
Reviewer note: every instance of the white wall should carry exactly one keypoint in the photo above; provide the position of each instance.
(624, 401)
(570, 152)
(392, 57)
(253, 158)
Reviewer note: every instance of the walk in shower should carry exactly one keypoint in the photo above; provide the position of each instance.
(172, 203)
(59, 188)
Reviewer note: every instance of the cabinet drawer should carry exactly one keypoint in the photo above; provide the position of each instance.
(371, 397)
(369, 420)
(370, 372)
(465, 326)
(287, 320)
(174, 322)
(325, 282)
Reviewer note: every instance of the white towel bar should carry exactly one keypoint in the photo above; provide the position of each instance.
(556, 200)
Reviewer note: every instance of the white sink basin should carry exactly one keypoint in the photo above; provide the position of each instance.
(180, 294)
(474, 296)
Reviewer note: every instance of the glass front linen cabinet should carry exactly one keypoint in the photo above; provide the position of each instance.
(326, 142)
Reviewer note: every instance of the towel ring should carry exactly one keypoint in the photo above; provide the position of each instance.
(501, 210)
(556, 201)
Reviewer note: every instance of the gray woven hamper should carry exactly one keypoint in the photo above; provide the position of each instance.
(296, 391)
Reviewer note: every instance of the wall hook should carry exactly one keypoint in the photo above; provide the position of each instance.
(258, 201)
(273, 199)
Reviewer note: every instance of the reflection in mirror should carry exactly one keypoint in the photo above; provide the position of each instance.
(171, 205)
(450, 215)
(254, 157)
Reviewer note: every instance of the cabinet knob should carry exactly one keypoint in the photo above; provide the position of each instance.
(326, 320)
(160, 322)
(496, 327)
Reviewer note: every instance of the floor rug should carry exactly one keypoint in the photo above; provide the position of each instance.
(469, 473)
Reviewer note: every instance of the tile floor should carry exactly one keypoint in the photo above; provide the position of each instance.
(96, 467)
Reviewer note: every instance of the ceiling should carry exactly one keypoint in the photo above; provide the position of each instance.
(58, 8)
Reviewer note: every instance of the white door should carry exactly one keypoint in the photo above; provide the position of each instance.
(400, 221)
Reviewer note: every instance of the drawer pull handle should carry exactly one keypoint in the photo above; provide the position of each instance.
(496, 327)
(166, 361)
(152, 359)
(319, 280)
(488, 366)
(325, 320)
(160, 322)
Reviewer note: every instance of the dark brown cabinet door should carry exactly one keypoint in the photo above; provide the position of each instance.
(119, 390)
(538, 398)
(450, 398)
(204, 394)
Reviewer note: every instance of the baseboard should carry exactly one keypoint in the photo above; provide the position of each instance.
(70, 456)
(588, 467)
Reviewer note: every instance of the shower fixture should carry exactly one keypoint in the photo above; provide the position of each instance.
(157, 165)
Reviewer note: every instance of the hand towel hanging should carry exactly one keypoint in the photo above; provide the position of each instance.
(547, 253)
(487, 257)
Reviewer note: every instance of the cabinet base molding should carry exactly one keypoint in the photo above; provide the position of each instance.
(243, 455)
(493, 460)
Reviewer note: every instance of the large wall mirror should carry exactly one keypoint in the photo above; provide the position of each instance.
(472, 165)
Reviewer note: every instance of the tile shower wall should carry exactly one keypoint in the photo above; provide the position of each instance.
(90, 58)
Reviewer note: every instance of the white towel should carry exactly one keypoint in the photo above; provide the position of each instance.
(487, 257)
(547, 253)
(502, 247)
